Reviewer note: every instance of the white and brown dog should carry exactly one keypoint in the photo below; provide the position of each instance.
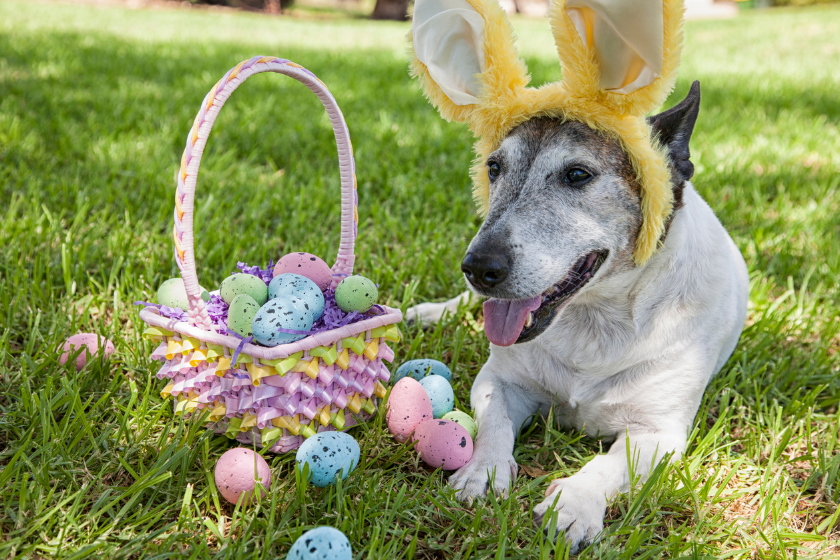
(621, 351)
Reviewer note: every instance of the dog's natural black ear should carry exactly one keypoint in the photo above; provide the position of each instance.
(674, 127)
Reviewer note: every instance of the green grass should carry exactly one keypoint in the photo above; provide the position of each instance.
(95, 105)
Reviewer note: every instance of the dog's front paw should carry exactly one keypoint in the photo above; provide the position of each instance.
(580, 511)
(476, 477)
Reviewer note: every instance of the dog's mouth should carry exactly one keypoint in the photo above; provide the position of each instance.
(507, 321)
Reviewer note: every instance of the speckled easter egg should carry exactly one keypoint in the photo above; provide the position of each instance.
(440, 393)
(418, 369)
(328, 454)
(88, 345)
(408, 405)
(463, 419)
(307, 265)
(443, 444)
(242, 283)
(288, 313)
(241, 314)
(321, 543)
(172, 293)
(288, 284)
(356, 293)
(237, 473)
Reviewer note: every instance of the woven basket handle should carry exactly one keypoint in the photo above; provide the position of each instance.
(187, 176)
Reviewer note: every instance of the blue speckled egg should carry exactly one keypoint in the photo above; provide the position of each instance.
(321, 543)
(327, 453)
(288, 313)
(440, 393)
(289, 284)
(356, 293)
(418, 369)
(236, 284)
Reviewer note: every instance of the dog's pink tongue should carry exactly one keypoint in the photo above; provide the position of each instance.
(504, 318)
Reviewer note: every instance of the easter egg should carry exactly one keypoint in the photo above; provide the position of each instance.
(88, 345)
(418, 369)
(463, 419)
(356, 293)
(242, 283)
(288, 284)
(321, 543)
(440, 393)
(443, 444)
(237, 473)
(289, 313)
(241, 314)
(328, 454)
(307, 265)
(172, 293)
(408, 405)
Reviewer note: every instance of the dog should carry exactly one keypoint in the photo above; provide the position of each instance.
(621, 351)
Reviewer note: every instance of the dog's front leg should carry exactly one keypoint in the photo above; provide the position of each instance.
(501, 408)
(581, 499)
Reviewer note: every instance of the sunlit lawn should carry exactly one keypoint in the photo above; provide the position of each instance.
(95, 105)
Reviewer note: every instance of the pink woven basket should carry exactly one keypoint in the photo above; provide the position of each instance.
(278, 396)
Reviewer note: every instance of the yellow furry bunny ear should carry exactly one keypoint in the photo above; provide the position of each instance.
(464, 55)
(624, 54)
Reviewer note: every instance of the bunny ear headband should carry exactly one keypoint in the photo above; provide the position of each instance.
(619, 61)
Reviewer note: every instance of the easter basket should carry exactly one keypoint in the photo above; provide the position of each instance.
(277, 396)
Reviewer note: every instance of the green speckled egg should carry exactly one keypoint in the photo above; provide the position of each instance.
(172, 293)
(241, 313)
(356, 293)
(464, 419)
(248, 284)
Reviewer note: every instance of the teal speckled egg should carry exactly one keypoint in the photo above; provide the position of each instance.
(464, 419)
(321, 543)
(172, 293)
(328, 454)
(236, 284)
(440, 393)
(418, 369)
(356, 293)
(289, 284)
(241, 314)
(287, 313)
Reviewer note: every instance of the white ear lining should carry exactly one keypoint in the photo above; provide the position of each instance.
(627, 38)
(448, 38)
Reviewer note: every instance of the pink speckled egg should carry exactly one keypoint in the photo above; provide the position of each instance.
(408, 405)
(90, 344)
(443, 444)
(237, 472)
(307, 265)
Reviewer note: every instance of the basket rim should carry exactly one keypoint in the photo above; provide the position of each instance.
(152, 317)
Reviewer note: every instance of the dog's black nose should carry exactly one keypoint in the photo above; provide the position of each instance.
(485, 270)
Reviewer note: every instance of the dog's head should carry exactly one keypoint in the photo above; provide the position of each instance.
(565, 211)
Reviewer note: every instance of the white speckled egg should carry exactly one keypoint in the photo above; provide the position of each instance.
(443, 444)
(287, 285)
(321, 543)
(237, 473)
(463, 419)
(289, 313)
(241, 314)
(440, 393)
(328, 454)
(242, 283)
(408, 405)
(356, 293)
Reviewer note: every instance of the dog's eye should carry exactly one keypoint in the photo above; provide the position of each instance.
(577, 176)
(493, 170)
